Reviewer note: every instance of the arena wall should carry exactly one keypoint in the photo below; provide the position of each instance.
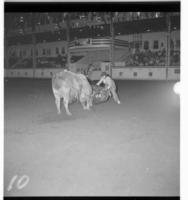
(118, 73)
(161, 37)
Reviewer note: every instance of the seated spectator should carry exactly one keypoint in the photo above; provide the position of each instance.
(149, 58)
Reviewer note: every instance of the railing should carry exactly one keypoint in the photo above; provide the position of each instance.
(121, 73)
(94, 42)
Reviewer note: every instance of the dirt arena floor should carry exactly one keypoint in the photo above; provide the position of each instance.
(130, 149)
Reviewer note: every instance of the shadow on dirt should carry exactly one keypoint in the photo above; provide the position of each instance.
(53, 117)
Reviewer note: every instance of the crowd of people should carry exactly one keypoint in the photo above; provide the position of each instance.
(175, 58)
(152, 58)
(42, 62)
(104, 17)
(136, 59)
(82, 25)
(146, 58)
(78, 19)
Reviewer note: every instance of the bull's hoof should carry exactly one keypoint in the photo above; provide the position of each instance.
(59, 113)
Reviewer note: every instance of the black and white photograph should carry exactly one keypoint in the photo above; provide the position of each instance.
(92, 99)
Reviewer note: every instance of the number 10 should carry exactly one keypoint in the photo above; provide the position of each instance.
(21, 182)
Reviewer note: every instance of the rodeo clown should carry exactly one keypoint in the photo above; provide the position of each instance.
(109, 85)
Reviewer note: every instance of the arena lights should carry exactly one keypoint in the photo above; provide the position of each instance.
(177, 88)
(156, 15)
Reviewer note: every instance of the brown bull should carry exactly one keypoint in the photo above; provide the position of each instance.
(71, 86)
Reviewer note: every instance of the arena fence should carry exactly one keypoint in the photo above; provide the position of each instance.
(98, 42)
(119, 73)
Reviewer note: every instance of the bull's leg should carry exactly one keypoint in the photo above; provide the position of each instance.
(66, 104)
(58, 104)
(109, 93)
(87, 106)
(83, 101)
(89, 103)
(84, 105)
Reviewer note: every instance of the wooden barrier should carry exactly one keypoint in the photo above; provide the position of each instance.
(137, 73)
(121, 73)
(174, 73)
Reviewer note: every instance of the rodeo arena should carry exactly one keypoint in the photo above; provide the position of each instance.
(91, 104)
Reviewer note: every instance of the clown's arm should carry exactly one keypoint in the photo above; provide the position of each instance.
(100, 81)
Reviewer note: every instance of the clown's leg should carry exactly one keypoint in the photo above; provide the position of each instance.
(115, 96)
